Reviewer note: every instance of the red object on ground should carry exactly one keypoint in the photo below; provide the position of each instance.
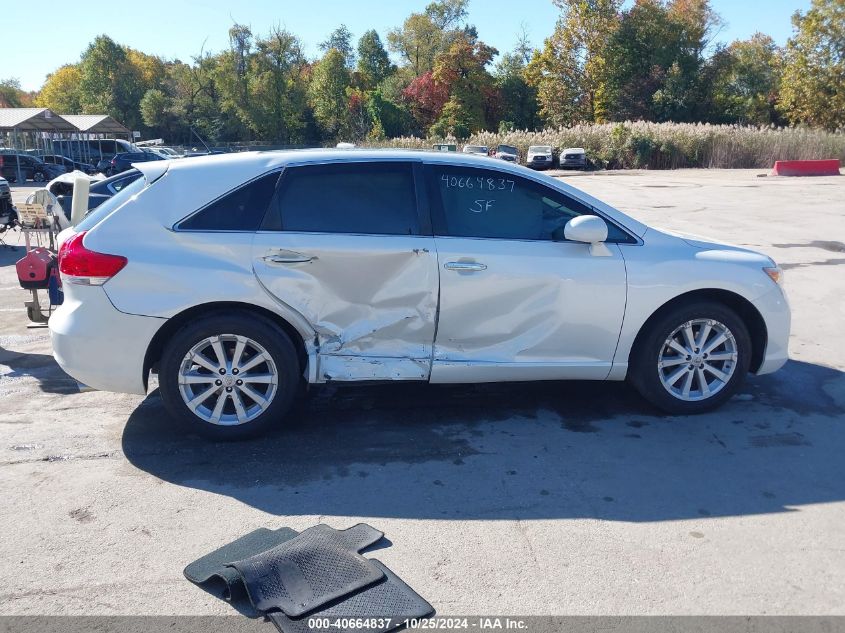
(806, 168)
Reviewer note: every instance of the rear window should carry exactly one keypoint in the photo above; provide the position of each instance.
(240, 210)
(93, 218)
(360, 198)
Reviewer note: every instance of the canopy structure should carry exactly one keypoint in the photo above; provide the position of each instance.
(96, 124)
(42, 131)
(33, 120)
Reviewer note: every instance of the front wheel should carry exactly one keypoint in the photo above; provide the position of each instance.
(229, 377)
(38, 176)
(691, 359)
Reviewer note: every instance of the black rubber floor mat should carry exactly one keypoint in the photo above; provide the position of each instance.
(378, 608)
(211, 573)
(310, 570)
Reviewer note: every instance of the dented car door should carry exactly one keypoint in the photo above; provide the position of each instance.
(518, 301)
(344, 246)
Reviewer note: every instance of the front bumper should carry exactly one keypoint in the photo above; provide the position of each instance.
(573, 162)
(98, 345)
(539, 163)
(775, 310)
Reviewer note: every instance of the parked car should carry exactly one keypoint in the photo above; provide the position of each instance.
(573, 158)
(124, 161)
(8, 214)
(31, 168)
(165, 152)
(68, 163)
(98, 193)
(507, 152)
(478, 150)
(237, 277)
(539, 157)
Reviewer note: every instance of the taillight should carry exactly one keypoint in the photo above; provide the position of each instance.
(78, 265)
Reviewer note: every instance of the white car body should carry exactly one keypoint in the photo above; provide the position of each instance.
(399, 307)
(539, 156)
(475, 150)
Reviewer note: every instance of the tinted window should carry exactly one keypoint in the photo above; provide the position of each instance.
(240, 210)
(368, 198)
(470, 202)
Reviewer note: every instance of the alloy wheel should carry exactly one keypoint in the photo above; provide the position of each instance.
(228, 379)
(697, 360)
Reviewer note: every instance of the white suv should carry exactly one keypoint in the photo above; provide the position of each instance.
(237, 277)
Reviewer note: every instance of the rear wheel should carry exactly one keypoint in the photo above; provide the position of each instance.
(692, 359)
(229, 377)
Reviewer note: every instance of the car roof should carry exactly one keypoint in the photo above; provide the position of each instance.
(217, 174)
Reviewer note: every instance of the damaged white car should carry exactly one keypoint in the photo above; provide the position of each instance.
(236, 277)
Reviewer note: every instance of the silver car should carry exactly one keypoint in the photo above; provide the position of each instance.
(238, 277)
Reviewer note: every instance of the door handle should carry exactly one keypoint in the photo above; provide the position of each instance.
(465, 267)
(288, 257)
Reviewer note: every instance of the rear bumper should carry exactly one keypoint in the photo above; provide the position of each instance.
(98, 345)
(774, 307)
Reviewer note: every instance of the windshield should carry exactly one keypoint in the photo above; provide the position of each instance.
(93, 218)
(507, 149)
(475, 148)
(540, 149)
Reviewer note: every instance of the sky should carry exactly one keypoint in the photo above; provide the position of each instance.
(180, 29)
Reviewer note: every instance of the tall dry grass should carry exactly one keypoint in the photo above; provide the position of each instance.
(644, 145)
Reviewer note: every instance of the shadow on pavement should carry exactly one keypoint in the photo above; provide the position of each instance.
(42, 367)
(528, 451)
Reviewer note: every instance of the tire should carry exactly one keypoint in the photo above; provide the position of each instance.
(38, 176)
(652, 347)
(229, 330)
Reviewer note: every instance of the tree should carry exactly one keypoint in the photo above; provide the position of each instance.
(424, 35)
(745, 78)
(60, 92)
(11, 95)
(462, 72)
(518, 98)
(570, 72)
(269, 96)
(341, 40)
(113, 79)
(812, 89)
(447, 14)
(425, 99)
(655, 60)
(373, 61)
(327, 94)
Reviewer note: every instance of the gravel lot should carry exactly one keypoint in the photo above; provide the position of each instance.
(557, 498)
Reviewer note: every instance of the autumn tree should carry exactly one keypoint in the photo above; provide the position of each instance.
(570, 73)
(12, 96)
(60, 92)
(424, 35)
(462, 72)
(812, 88)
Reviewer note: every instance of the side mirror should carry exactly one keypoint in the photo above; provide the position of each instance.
(591, 230)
